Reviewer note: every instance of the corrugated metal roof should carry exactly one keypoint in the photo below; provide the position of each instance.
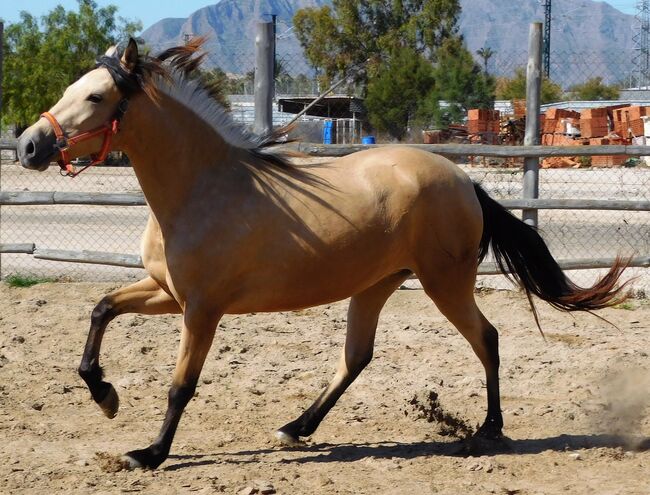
(578, 105)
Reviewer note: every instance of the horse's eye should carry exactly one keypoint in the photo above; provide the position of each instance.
(94, 98)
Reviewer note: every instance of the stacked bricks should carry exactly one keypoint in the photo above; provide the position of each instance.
(483, 126)
(556, 120)
(594, 128)
(482, 120)
(608, 160)
(554, 127)
(628, 122)
(593, 123)
(562, 161)
(519, 108)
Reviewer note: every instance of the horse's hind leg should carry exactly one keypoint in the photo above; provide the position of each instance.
(145, 297)
(363, 315)
(451, 287)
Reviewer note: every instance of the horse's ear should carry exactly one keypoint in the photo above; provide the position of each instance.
(130, 57)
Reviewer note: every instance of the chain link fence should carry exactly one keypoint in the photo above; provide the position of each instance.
(570, 68)
(337, 118)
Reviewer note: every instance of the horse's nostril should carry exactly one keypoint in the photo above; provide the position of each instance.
(29, 148)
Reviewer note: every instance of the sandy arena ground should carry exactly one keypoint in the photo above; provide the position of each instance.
(576, 406)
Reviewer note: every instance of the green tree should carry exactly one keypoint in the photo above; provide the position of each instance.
(394, 94)
(218, 84)
(394, 47)
(515, 88)
(364, 33)
(460, 82)
(594, 89)
(43, 58)
(283, 80)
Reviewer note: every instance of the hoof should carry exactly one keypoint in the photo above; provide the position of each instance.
(110, 404)
(288, 440)
(130, 463)
(149, 458)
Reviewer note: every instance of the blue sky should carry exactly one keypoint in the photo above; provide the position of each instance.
(150, 11)
(626, 6)
(147, 11)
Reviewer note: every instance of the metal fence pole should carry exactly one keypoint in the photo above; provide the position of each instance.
(264, 80)
(533, 97)
(1, 73)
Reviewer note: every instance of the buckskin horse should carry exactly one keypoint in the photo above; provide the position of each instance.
(236, 228)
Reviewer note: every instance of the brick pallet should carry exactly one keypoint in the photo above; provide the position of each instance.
(483, 125)
(617, 125)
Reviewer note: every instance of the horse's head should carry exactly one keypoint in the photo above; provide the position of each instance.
(84, 120)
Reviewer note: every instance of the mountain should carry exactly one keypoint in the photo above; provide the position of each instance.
(588, 38)
(230, 27)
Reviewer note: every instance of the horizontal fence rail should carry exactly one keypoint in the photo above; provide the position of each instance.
(489, 150)
(45, 198)
(8, 144)
(91, 257)
(22, 198)
(135, 261)
(574, 204)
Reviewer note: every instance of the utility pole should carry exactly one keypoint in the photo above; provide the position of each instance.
(274, 21)
(264, 80)
(546, 45)
(533, 94)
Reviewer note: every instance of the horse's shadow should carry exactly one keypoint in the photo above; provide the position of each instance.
(351, 452)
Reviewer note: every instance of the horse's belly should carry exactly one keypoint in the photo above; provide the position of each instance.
(311, 282)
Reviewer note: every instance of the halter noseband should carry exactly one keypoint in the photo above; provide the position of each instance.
(127, 84)
(63, 143)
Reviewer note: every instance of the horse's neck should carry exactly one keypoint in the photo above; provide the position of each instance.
(170, 149)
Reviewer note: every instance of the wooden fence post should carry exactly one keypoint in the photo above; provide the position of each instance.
(533, 97)
(264, 80)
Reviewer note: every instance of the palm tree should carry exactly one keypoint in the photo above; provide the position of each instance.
(485, 53)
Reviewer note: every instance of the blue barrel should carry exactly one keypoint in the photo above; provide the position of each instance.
(327, 132)
(368, 140)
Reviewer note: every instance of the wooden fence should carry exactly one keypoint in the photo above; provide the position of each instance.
(23, 198)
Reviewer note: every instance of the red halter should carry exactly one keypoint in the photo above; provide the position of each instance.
(63, 143)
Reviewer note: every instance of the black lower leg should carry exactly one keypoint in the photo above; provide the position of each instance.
(157, 452)
(92, 374)
(308, 421)
(90, 370)
(493, 424)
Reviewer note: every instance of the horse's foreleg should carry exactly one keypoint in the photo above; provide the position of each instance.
(196, 339)
(363, 315)
(145, 297)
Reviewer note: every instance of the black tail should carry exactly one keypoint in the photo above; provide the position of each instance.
(522, 255)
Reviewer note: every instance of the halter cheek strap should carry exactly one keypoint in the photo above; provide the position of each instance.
(64, 143)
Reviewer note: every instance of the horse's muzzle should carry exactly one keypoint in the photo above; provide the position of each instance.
(36, 148)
